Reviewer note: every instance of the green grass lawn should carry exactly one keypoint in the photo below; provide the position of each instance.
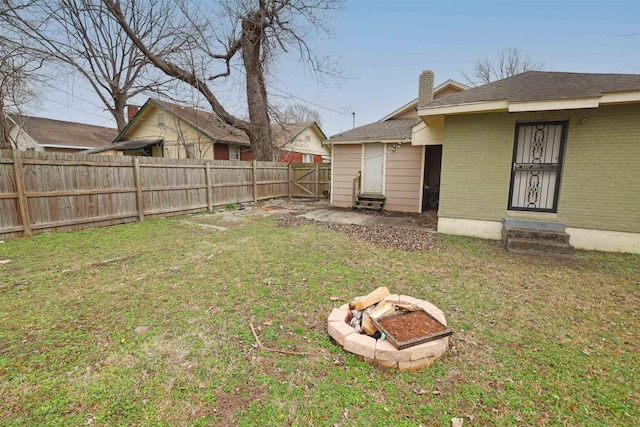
(536, 342)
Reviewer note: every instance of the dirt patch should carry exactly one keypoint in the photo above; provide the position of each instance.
(229, 404)
(413, 240)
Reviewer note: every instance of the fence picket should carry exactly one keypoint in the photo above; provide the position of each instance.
(44, 192)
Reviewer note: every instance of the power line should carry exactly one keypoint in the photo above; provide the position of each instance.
(344, 112)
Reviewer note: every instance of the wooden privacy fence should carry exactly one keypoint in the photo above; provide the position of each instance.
(43, 192)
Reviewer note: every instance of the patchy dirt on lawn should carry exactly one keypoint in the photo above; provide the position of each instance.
(410, 232)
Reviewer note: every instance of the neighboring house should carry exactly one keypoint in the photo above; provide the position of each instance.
(40, 134)
(548, 151)
(162, 129)
(378, 160)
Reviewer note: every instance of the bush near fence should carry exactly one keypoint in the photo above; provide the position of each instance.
(44, 192)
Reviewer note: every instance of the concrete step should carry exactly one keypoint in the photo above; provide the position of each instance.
(521, 233)
(529, 224)
(542, 254)
(540, 247)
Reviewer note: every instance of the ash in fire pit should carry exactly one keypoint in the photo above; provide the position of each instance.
(391, 331)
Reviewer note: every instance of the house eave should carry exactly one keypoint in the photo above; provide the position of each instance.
(366, 141)
(72, 147)
(530, 106)
(475, 107)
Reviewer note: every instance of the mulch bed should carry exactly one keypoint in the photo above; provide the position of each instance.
(391, 237)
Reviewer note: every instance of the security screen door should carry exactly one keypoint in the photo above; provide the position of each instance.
(537, 164)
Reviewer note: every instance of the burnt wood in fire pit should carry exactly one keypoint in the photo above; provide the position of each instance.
(411, 328)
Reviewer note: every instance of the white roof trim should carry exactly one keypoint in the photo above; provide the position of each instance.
(620, 97)
(474, 107)
(366, 141)
(414, 103)
(402, 109)
(556, 104)
(543, 105)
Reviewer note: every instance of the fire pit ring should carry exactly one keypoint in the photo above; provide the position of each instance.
(381, 352)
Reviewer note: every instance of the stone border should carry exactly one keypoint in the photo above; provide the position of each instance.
(381, 352)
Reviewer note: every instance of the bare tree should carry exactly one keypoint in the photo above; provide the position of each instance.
(508, 62)
(297, 113)
(247, 36)
(82, 34)
(19, 75)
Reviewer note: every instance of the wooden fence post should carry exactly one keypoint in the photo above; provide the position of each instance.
(136, 178)
(317, 182)
(207, 177)
(22, 193)
(290, 181)
(255, 181)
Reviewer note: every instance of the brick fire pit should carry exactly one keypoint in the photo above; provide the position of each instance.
(381, 352)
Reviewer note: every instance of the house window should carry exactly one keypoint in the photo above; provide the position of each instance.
(234, 152)
(191, 151)
(160, 119)
(307, 158)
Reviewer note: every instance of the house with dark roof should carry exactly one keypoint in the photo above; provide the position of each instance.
(163, 129)
(40, 134)
(540, 156)
(545, 161)
(377, 164)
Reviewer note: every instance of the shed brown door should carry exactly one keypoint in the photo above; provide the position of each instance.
(537, 164)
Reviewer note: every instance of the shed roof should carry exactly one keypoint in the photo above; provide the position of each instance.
(392, 129)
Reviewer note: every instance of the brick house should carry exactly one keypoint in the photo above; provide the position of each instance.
(541, 150)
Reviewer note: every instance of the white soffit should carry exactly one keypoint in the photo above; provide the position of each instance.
(525, 106)
(478, 107)
(556, 104)
(620, 97)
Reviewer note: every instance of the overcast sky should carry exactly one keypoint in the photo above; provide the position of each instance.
(383, 45)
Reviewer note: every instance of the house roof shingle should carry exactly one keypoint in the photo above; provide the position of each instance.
(206, 122)
(51, 132)
(542, 85)
(210, 124)
(389, 129)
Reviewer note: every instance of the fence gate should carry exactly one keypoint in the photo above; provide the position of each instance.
(537, 164)
(310, 180)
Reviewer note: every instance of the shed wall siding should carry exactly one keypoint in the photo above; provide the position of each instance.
(346, 164)
(403, 178)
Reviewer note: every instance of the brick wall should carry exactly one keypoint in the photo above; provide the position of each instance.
(600, 177)
(476, 166)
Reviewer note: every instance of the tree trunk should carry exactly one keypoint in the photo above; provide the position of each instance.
(260, 130)
(5, 141)
(120, 103)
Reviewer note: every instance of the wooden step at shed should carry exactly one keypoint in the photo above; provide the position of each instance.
(370, 201)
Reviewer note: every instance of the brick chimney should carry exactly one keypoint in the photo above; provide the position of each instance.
(425, 88)
(132, 110)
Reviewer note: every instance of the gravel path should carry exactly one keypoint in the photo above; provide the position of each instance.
(412, 240)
